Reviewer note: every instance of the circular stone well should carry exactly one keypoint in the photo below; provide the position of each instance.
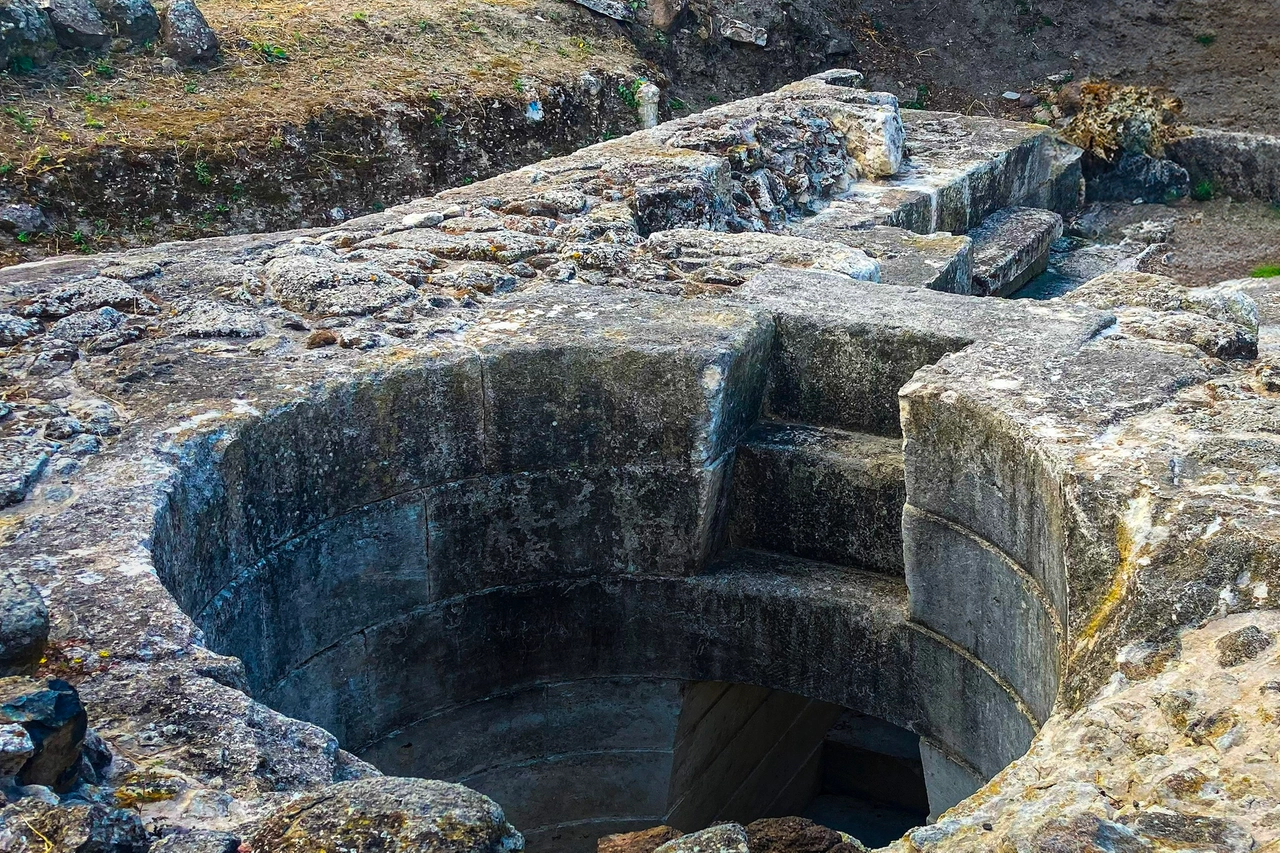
(522, 572)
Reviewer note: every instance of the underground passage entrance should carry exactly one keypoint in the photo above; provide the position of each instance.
(613, 583)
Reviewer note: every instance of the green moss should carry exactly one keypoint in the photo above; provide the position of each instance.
(1266, 271)
(1203, 191)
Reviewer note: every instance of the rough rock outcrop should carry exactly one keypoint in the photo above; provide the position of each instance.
(390, 816)
(55, 723)
(24, 626)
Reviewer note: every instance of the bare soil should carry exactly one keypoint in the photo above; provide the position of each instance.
(1210, 241)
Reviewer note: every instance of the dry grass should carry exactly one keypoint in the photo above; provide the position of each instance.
(283, 62)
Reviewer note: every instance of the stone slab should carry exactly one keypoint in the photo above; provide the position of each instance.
(821, 494)
(1011, 247)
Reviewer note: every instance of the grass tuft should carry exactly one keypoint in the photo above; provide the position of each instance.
(1266, 271)
(1203, 191)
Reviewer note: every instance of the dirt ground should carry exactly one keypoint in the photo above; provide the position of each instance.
(1221, 57)
(1208, 242)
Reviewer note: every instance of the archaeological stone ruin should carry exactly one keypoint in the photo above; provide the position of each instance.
(696, 491)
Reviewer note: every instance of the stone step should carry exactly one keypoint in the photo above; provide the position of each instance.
(941, 262)
(820, 494)
(1011, 247)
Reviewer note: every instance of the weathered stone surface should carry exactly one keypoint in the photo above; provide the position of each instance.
(1139, 177)
(726, 838)
(325, 287)
(1012, 247)
(392, 815)
(821, 494)
(132, 19)
(56, 722)
(25, 33)
(76, 23)
(208, 319)
(185, 35)
(934, 261)
(790, 835)
(1221, 321)
(24, 626)
(644, 841)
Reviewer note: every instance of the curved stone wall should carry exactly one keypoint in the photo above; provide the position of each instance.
(401, 556)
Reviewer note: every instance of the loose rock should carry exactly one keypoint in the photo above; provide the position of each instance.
(56, 721)
(23, 218)
(76, 23)
(187, 36)
(133, 19)
(389, 815)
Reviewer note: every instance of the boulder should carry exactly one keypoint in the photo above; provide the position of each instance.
(1140, 177)
(34, 825)
(725, 838)
(136, 20)
(56, 723)
(389, 815)
(186, 35)
(76, 23)
(24, 626)
(25, 33)
(23, 218)
(790, 835)
(644, 841)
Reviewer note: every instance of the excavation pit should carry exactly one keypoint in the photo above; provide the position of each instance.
(505, 570)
